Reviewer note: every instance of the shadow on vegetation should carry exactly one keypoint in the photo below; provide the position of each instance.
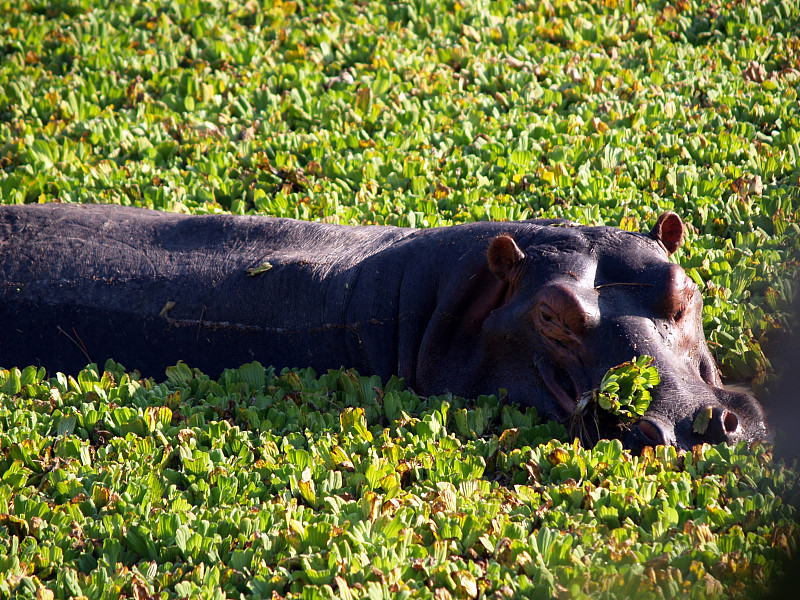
(785, 417)
(784, 408)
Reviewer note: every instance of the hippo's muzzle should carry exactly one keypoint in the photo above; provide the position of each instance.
(729, 417)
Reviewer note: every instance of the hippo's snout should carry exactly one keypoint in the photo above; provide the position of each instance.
(725, 417)
(684, 413)
(737, 417)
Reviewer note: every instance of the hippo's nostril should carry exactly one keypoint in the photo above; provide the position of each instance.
(722, 425)
(651, 431)
(730, 421)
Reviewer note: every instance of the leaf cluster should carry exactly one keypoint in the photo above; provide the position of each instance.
(625, 389)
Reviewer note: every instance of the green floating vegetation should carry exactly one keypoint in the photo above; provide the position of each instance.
(412, 113)
(337, 485)
(430, 112)
(625, 389)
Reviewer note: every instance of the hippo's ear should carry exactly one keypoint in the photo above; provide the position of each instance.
(669, 231)
(504, 256)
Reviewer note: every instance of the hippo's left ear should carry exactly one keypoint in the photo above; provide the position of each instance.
(504, 256)
(669, 231)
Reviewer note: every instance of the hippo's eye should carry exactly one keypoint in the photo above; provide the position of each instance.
(560, 314)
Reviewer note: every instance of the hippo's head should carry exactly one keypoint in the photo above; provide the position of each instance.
(566, 303)
(602, 297)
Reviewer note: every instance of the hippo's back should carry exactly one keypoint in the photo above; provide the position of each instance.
(97, 281)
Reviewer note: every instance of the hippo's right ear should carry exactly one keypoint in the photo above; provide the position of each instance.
(504, 256)
(669, 231)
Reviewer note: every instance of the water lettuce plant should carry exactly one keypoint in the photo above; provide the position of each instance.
(624, 390)
(623, 394)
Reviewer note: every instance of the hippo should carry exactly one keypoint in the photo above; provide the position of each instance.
(540, 308)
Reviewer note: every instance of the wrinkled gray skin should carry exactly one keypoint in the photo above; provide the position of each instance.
(540, 308)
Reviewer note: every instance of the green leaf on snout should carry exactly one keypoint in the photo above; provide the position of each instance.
(702, 420)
